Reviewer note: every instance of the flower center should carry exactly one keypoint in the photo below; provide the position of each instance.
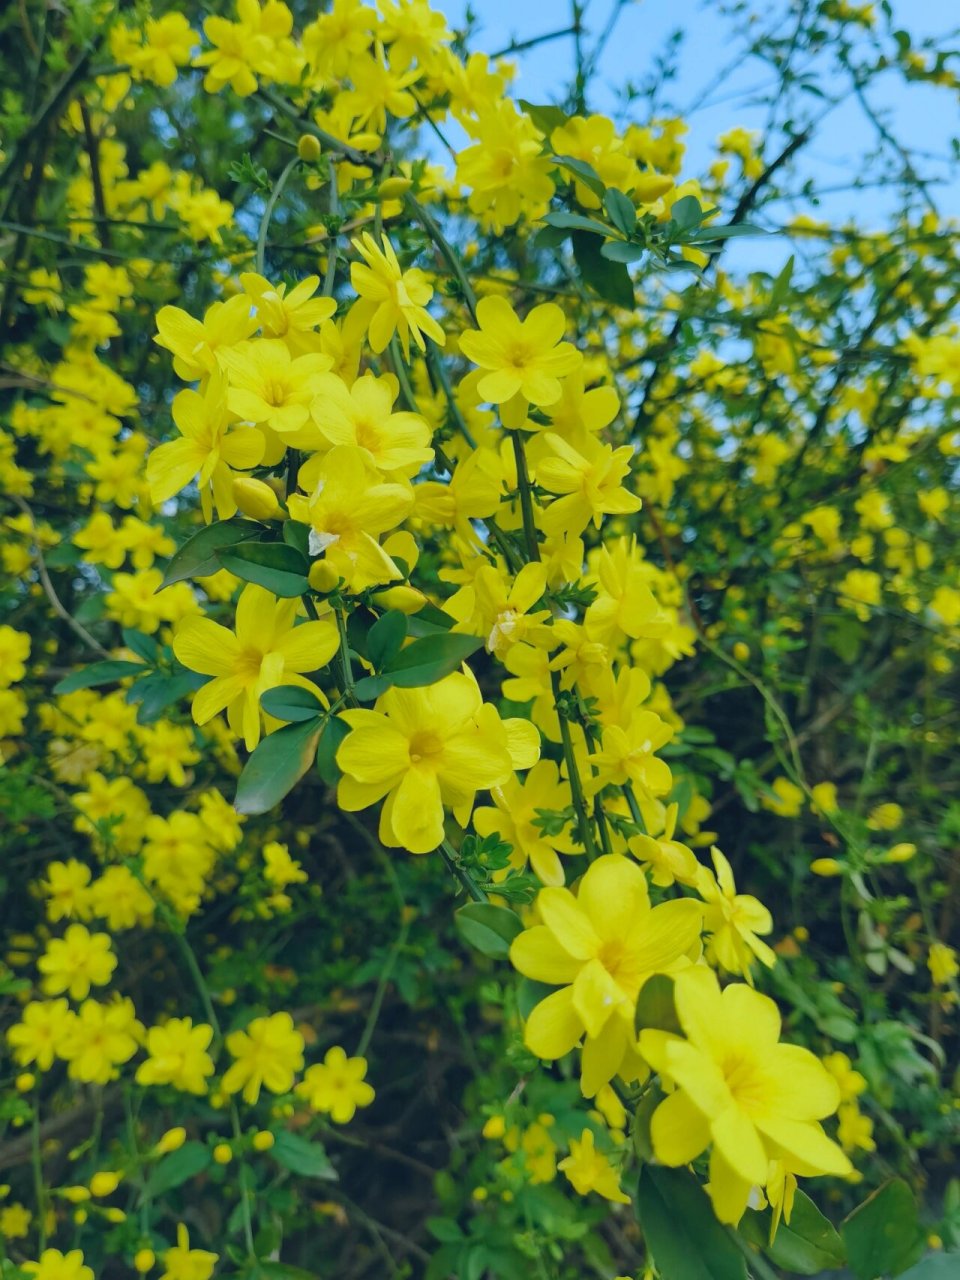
(425, 745)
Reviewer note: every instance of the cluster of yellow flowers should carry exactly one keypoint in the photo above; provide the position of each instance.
(420, 488)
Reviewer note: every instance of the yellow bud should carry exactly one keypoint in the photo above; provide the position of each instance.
(25, 1081)
(902, 852)
(80, 1216)
(308, 148)
(222, 1153)
(479, 1193)
(76, 1195)
(114, 1215)
(741, 651)
(144, 1260)
(263, 1140)
(826, 867)
(802, 933)
(255, 498)
(172, 1140)
(495, 1127)
(322, 576)
(392, 188)
(403, 598)
(104, 1183)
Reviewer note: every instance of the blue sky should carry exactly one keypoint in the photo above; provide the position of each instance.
(921, 116)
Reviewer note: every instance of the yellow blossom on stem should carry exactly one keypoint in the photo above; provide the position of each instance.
(337, 1086)
(268, 1054)
(392, 300)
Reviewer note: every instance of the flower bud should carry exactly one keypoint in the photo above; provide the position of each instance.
(104, 1183)
(404, 599)
(222, 1153)
(144, 1260)
(902, 852)
(172, 1140)
(308, 148)
(393, 188)
(263, 1140)
(826, 867)
(255, 498)
(323, 576)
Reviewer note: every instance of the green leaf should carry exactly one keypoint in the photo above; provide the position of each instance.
(655, 1006)
(707, 234)
(198, 556)
(385, 638)
(283, 1271)
(781, 285)
(276, 766)
(883, 1235)
(576, 222)
(546, 117)
(274, 565)
(155, 692)
(529, 995)
(334, 732)
(807, 1245)
(936, 1266)
(177, 1168)
(296, 534)
(98, 673)
(487, 928)
(610, 280)
(684, 1236)
(291, 703)
(428, 660)
(620, 208)
(300, 1155)
(687, 213)
(445, 1230)
(585, 172)
(144, 647)
(621, 251)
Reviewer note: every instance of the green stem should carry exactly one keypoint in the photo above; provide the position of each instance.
(345, 656)
(432, 229)
(573, 773)
(526, 497)
(268, 211)
(635, 811)
(37, 1164)
(755, 1261)
(449, 855)
(333, 253)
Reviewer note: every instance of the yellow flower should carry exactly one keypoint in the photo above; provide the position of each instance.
(518, 805)
(362, 416)
(737, 1087)
(732, 919)
(505, 171)
(885, 817)
(198, 344)
(38, 1036)
(337, 1087)
(206, 451)
(850, 1082)
(788, 799)
(591, 484)
(67, 890)
(942, 963)
(627, 755)
(600, 947)
(14, 651)
(292, 316)
(667, 859)
(54, 1265)
(184, 1263)
(590, 1170)
(523, 358)
(392, 300)
(178, 1056)
(271, 387)
(269, 1053)
(15, 1221)
(99, 1039)
(349, 507)
(267, 650)
(75, 962)
(425, 749)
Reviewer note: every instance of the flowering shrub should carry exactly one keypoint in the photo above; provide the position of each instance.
(475, 670)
